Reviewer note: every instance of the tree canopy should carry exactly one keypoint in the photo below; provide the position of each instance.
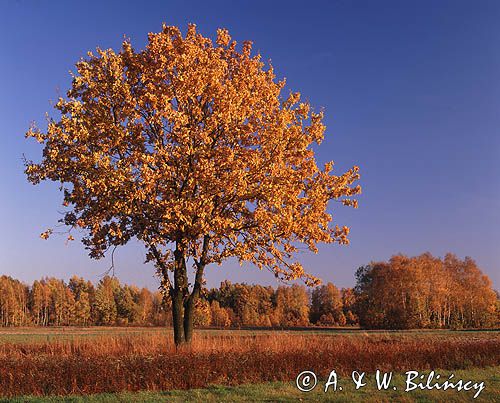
(424, 291)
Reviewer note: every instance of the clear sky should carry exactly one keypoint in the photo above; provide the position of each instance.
(410, 89)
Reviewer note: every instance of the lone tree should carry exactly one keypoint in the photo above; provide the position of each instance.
(189, 147)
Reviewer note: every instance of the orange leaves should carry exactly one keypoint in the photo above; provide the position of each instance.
(187, 139)
(223, 37)
(35, 133)
(46, 234)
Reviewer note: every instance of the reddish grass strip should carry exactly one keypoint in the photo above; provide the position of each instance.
(151, 362)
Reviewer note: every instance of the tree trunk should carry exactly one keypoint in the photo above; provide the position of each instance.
(178, 294)
(183, 302)
(177, 316)
(188, 319)
(182, 314)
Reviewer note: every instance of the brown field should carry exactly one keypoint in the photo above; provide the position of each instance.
(65, 361)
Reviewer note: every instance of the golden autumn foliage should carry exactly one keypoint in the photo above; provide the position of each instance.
(425, 292)
(190, 147)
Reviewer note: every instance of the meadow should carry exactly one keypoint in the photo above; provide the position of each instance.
(104, 362)
(287, 392)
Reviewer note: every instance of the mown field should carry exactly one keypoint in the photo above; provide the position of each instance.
(142, 364)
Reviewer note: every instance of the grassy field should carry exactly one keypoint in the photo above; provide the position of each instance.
(142, 364)
(47, 334)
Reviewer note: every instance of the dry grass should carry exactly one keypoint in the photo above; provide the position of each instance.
(150, 361)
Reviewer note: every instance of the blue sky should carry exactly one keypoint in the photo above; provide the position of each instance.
(410, 89)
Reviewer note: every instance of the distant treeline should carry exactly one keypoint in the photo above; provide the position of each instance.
(418, 292)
